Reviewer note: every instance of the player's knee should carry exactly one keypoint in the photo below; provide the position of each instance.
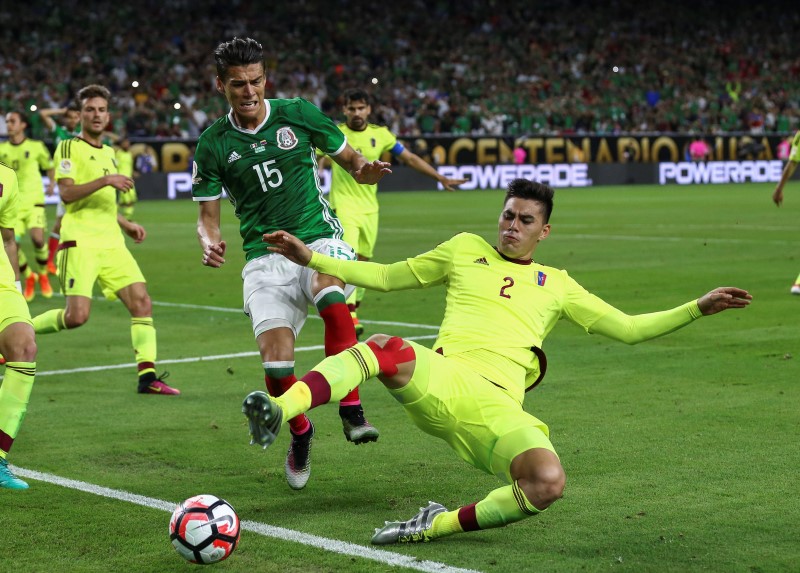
(378, 339)
(75, 318)
(20, 348)
(545, 485)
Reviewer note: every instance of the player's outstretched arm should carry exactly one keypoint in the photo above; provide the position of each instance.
(723, 298)
(788, 171)
(209, 235)
(289, 246)
(417, 163)
(363, 171)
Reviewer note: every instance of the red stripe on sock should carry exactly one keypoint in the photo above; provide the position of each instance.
(5, 441)
(340, 333)
(145, 365)
(320, 389)
(468, 518)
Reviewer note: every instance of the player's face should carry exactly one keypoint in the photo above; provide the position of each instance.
(243, 87)
(94, 116)
(71, 119)
(14, 124)
(356, 114)
(521, 227)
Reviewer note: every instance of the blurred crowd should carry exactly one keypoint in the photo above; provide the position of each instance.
(434, 67)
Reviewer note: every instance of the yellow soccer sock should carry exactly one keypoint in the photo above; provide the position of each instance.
(330, 380)
(41, 257)
(143, 337)
(503, 506)
(50, 321)
(14, 395)
(445, 524)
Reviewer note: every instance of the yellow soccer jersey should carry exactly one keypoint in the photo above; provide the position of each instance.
(497, 309)
(91, 221)
(372, 143)
(28, 159)
(794, 154)
(125, 162)
(9, 195)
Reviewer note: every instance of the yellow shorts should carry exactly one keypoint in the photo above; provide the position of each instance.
(32, 218)
(128, 197)
(360, 231)
(13, 307)
(80, 267)
(484, 425)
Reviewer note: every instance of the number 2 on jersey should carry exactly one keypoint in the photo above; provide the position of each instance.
(509, 283)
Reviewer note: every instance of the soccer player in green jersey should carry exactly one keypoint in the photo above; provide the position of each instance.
(126, 200)
(263, 155)
(92, 245)
(17, 343)
(356, 204)
(29, 157)
(777, 195)
(501, 304)
(71, 116)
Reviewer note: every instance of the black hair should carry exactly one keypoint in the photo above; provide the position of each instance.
(355, 94)
(237, 52)
(534, 191)
(22, 116)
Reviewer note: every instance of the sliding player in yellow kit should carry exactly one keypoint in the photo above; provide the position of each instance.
(501, 305)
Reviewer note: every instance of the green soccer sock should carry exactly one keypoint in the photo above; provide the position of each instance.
(330, 380)
(15, 392)
(50, 321)
(143, 337)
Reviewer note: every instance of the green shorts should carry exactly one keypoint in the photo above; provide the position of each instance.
(484, 425)
(13, 307)
(360, 231)
(80, 267)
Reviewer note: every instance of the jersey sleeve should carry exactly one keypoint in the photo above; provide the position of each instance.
(66, 166)
(390, 142)
(9, 191)
(206, 177)
(325, 135)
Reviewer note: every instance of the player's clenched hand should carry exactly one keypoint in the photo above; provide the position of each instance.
(119, 182)
(371, 173)
(723, 298)
(289, 246)
(135, 232)
(777, 196)
(214, 254)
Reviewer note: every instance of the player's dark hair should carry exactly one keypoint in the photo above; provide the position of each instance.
(22, 117)
(73, 106)
(90, 91)
(237, 52)
(355, 94)
(534, 191)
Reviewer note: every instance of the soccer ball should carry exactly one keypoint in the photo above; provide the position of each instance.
(204, 529)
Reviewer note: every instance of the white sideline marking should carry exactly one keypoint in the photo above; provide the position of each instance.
(196, 359)
(311, 316)
(332, 545)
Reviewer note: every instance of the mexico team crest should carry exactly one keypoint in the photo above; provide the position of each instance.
(286, 138)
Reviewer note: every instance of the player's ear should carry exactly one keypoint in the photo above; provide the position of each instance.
(545, 232)
(220, 86)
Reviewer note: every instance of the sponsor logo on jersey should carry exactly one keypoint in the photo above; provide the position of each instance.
(540, 278)
(286, 138)
(258, 147)
(481, 261)
(233, 157)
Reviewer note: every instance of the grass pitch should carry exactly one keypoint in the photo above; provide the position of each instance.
(681, 453)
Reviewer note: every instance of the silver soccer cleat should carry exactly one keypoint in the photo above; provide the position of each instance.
(298, 460)
(416, 529)
(264, 418)
(359, 434)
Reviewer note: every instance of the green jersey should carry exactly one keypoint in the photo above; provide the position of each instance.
(270, 172)
(346, 193)
(28, 158)
(60, 133)
(8, 216)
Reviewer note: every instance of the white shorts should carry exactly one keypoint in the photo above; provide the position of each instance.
(277, 292)
(61, 210)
